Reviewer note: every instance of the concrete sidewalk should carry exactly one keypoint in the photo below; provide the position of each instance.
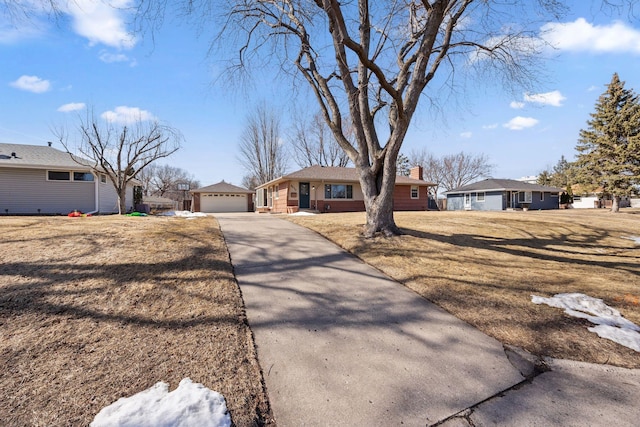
(340, 344)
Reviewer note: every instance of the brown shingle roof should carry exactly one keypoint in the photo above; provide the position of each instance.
(335, 174)
(222, 187)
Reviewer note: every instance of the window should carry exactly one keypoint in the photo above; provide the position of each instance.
(58, 176)
(542, 196)
(338, 191)
(277, 191)
(480, 197)
(414, 192)
(524, 197)
(103, 178)
(83, 176)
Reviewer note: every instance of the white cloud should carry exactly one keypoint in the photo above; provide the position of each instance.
(127, 115)
(581, 35)
(516, 105)
(73, 106)
(466, 135)
(491, 126)
(554, 98)
(519, 123)
(592, 88)
(116, 57)
(102, 22)
(32, 84)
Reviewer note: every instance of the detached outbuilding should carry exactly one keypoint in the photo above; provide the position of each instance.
(222, 197)
(502, 194)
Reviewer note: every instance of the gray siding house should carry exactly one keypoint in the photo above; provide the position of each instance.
(43, 180)
(502, 194)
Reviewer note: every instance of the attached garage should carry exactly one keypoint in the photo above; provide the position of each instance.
(222, 197)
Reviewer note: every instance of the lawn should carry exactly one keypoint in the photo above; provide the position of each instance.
(94, 309)
(483, 267)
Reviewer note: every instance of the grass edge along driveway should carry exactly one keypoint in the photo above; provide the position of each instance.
(483, 267)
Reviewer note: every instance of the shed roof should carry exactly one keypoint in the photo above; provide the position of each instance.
(492, 184)
(39, 156)
(335, 174)
(222, 187)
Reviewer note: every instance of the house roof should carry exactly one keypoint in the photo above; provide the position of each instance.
(222, 187)
(492, 184)
(335, 174)
(38, 156)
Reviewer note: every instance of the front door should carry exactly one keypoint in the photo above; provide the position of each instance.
(304, 195)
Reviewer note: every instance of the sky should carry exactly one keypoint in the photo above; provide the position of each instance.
(52, 71)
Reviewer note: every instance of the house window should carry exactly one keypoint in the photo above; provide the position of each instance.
(103, 178)
(338, 191)
(58, 176)
(524, 197)
(414, 192)
(277, 191)
(480, 197)
(83, 176)
(542, 196)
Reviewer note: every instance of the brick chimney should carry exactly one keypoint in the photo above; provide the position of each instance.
(416, 173)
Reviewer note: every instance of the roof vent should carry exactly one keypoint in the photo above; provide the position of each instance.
(13, 155)
(50, 143)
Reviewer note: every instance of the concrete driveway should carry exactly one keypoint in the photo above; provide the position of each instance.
(340, 344)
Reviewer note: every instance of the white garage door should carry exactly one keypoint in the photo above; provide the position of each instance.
(221, 202)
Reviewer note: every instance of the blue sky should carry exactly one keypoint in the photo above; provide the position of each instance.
(51, 71)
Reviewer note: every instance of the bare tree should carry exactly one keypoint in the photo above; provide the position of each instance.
(121, 152)
(312, 143)
(461, 169)
(370, 63)
(262, 151)
(452, 170)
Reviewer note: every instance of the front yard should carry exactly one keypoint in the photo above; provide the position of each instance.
(483, 267)
(98, 308)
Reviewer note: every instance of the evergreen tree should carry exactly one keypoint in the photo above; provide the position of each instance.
(609, 149)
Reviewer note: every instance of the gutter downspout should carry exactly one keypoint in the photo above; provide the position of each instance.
(96, 195)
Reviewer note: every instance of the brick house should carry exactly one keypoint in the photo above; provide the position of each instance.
(335, 189)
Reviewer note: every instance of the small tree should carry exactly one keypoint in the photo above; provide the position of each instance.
(609, 149)
(121, 151)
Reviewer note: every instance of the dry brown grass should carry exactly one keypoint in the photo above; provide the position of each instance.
(483, 267)
(94, 309)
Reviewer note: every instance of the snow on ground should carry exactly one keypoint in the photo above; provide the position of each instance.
(609, 321)
(634, 238)
(190, 405)
(183, 214)
(301, 213)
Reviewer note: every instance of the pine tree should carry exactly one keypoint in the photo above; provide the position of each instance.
(609, 149)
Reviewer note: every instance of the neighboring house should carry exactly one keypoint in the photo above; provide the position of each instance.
(335, 189)
(502, 194)
(222, 197)
(38, 179)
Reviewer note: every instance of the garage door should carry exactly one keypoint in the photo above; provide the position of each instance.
(221, 202)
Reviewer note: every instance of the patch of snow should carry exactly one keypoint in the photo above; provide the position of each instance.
(183, 214)
(301, 213)
(610, 323)
(189, 405)
(636, 239)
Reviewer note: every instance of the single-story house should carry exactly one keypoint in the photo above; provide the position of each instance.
(502, 194)
(43, 180)
(222, 197)
(335, 189)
